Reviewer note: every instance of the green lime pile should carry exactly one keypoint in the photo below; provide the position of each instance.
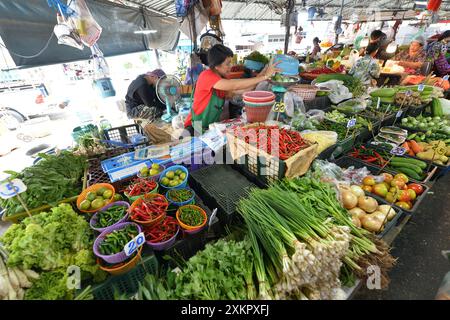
(173, 178)
(152, 171)
(96, 200)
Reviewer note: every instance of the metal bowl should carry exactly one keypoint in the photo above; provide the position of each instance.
(294, 81)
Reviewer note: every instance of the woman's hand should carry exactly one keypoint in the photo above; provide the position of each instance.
(272, 69)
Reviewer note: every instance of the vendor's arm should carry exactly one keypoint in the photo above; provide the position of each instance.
(411, 65)
(147, 95)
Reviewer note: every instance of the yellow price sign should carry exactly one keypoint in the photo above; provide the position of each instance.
(279, 107)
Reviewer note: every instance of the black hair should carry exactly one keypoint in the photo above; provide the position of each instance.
(218, 54)
(372, 47)
(316, 40)
(446, 34)
(377, 34)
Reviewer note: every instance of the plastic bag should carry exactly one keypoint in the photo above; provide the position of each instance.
(324, 139)
(88, 29)
(293, 103)
(339, 92)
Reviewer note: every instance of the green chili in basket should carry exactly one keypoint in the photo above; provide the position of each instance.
(180, 195)
(110, 216)
(191, 217)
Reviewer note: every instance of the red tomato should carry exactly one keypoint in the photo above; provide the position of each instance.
(416, 187)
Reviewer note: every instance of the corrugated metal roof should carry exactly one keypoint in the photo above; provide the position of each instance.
(267, 9)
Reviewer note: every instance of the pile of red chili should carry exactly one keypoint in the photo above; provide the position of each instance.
(289, 142)
(162, 231)
(149, 209)
(368, 155)
(140, 186)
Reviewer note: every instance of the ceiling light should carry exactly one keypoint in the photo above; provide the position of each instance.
(145, 31)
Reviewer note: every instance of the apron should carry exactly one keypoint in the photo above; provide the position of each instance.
(211, 113)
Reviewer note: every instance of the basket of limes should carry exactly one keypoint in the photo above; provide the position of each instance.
(95, 197)
(174, 177)
(153, 172)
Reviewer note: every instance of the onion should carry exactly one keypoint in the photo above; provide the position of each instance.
(371, 223)
(357, 212)
(368, 204)
(356, 221)
(357, 191)
(349, 200)
(387, 209)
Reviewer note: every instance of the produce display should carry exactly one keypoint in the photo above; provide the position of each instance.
(110, 216)
(173, 178)
(89, 144)
(140, 186)
(289, 142)
(149, 208)
(116, 240)
(55, 178)
(96, 200)
(411, 100)
(180, 195)
(339, 128)
(162, 231)
(365, 211)
(154, 170)
(355, 85)
(428, 124)
(341, 118)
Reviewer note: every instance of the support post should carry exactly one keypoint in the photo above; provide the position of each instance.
(290, 8)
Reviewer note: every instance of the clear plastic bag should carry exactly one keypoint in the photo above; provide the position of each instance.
(88, 29)
(293, 103)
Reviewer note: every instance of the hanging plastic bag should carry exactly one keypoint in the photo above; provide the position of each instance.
(88, 29)
(66, 33)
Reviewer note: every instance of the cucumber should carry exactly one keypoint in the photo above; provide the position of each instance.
(383, 93)
(407, 166)
(419, 163)
(410, 173)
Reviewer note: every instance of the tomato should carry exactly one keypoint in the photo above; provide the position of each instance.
(418, 189)
(403, 205)
(402, 176)
(412, 194)
(404, 196)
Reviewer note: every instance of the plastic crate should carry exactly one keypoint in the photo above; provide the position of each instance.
(221, 187)
(346, 162)
(127, 283)
(122, 135)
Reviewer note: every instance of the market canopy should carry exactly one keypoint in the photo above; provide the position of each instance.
(26, 28)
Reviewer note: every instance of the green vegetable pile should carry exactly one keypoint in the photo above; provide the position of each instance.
(258, 57)
(431, 124)
(341, 118)
(55, 178)
(191, 217)
(52, 241)
(115, 241)
(301, 122)
(109, 217)
(221, 271)
(339, 128)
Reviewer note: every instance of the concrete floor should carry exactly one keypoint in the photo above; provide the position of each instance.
(420, 266)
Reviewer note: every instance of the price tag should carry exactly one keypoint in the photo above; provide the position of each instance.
(445, 78)
(398, 151)
(279, 107)
(12, 188)
(213, 216)
(421, 87)
(134, 244)
(378, 102)
(351, 123)
(408, 93)
(399, 114)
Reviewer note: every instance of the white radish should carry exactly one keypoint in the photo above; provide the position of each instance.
(20, 294)
(15, 283)
(24, 283)
(3, 287)
(31, 275)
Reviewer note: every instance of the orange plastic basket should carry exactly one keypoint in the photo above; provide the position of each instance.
(94, 188)
(121, 268)
(305, 91)
(138, 202)
(185, 226)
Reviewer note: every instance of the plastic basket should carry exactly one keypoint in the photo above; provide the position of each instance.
(93, 220)
(156, 176)
(94, 188)
(179, 204)
(258, 96)
(134, 198)
(259, 104)
(139, 201)
(160, 246)
(192, 229)
(175, 168)
(257, 114)
(304, 91)
(127, 283)
(118, 257)
(122, 268)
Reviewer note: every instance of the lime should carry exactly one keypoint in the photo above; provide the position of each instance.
(165, 181)
(144, 171)
(117, 197)
(182, 176)
(85, 205)
(155, 166)
(97, 204)
(170, 174)
(101, 191)
(91, 196)
(154, 172)
(107, 194)
(178, 172)
(174, 183)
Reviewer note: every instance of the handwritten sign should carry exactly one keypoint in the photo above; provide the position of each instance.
(279, 107)
(398, 151)
(12, 188)
(134, 244)
(399, 114)
(351, 123)
(421, 87)
(408, 93)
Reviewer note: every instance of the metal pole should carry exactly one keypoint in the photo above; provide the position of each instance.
(289, 10)
(194, 29)
(340, 15)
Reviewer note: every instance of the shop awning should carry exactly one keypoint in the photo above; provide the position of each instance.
(26, 28)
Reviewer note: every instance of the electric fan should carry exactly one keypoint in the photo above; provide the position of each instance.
(168, 90)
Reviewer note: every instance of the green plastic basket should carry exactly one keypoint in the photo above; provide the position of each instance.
(127, 283)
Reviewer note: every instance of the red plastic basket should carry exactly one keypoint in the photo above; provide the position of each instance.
(258, 114)
(258, 96)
